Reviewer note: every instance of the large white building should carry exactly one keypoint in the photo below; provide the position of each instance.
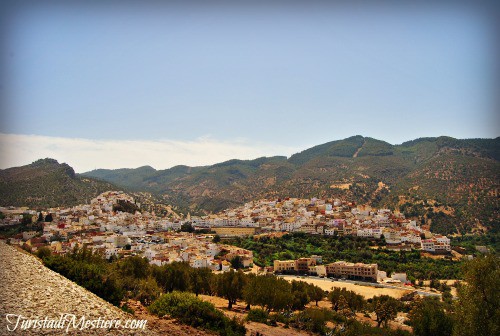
(437, 244)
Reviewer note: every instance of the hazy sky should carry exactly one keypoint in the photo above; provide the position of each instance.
(189, 83)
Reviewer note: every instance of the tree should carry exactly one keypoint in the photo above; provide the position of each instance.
(385, 308)
(43, 253)
(434, 284)
(477, 308)
(229, 285)
(312, 319)
(300, 295)
(236, 262)
(268, 291)
(447, 297)
(355, 301)
(216, 239)
(199, 280)
(343, 308)
(135, 267)
(187, 227)
(148, 291)
(334, 297)
(27, 219)
(174, 276)
(251, 290)
(125, 206)
(90, 270)
(428, 318)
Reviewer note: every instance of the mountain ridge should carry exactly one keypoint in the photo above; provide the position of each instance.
(451, 183)
(47, 183)
(461, 174)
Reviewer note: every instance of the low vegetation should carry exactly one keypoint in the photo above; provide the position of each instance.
(172, 289)
(192, 311)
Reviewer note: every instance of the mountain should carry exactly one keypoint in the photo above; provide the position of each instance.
(453, 183)
(47, 183)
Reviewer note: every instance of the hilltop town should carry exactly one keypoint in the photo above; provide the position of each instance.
(113, 225)
(332, 217)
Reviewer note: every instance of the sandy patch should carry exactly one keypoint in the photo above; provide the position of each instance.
(343, 186)
(367, 291)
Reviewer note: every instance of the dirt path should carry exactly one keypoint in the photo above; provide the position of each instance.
(359, 149)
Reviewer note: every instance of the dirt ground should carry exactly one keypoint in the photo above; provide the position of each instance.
(252, 327)
(366, 291)
(263, 329)
(173, 328)
(450, 283)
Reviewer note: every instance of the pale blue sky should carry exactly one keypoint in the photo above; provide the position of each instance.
(277, 75)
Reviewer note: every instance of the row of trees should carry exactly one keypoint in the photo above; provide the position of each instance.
(134, 277)
(475, 312)
(269, 291)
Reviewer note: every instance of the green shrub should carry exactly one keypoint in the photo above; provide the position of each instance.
(44, 253)
(127, 309)
(282, 317)
(188, 309)
(312, 319)
(90, 271)
(258, 315)
(355, 328)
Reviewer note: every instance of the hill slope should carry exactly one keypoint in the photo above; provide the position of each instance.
(47, 183)
(457, 179)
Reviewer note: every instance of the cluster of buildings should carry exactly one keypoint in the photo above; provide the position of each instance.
(101, 227)
(117, 234)
(324, 217)
(338, 269)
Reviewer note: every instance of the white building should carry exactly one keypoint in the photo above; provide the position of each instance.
(399, 276)
(198, 262)
(392, 237)
(439, 244)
